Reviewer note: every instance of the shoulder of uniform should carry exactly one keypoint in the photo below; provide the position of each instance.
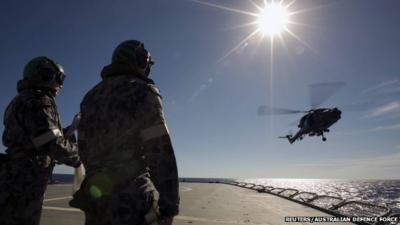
(154, 89)
(92, 92)
(146, 86)
(37, 98)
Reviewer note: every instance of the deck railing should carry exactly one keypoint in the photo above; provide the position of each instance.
(333, 205)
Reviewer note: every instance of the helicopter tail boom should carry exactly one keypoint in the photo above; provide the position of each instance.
(289, 137)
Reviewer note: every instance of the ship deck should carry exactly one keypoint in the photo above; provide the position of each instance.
(201, 204)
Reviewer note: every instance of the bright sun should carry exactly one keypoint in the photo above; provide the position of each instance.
(272, 19)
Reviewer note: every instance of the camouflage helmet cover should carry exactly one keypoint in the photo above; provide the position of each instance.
(133, 53)
(43, 71)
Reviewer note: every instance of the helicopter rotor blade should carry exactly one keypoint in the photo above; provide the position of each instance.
(320, 92)
(267, 110)
(358, 106)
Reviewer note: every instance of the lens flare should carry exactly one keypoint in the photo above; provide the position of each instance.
(272, 19)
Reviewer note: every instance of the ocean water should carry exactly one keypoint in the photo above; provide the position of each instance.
(373, 191)
(63, 178)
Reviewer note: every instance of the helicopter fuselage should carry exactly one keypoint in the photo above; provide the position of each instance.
(315, 123)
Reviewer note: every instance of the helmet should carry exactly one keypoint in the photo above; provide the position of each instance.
(134, 54)
(44, 72)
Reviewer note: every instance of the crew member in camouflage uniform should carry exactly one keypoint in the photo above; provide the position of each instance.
(131, 172)
(35, 140)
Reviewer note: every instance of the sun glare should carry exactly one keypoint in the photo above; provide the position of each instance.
(272, 19)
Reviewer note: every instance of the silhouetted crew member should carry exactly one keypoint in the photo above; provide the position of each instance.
(34, 138)
(131, 172)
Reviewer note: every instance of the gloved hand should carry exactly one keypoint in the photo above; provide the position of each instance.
(77, 164)
(69, 135)
(72, 138)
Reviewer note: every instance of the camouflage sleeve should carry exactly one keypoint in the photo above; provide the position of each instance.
(160, 154)
(41, 122)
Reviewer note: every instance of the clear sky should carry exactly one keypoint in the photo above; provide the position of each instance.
(211, 101)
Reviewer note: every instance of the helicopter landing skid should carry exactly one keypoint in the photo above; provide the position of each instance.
(323, 137)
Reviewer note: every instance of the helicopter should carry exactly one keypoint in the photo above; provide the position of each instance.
(316, 121)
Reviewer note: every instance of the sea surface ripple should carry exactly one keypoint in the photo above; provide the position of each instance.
(373, 191)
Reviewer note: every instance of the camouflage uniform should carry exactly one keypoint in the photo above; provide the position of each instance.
(125, 147)
(34, 137)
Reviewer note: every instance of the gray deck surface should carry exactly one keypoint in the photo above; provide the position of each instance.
(201, 204)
